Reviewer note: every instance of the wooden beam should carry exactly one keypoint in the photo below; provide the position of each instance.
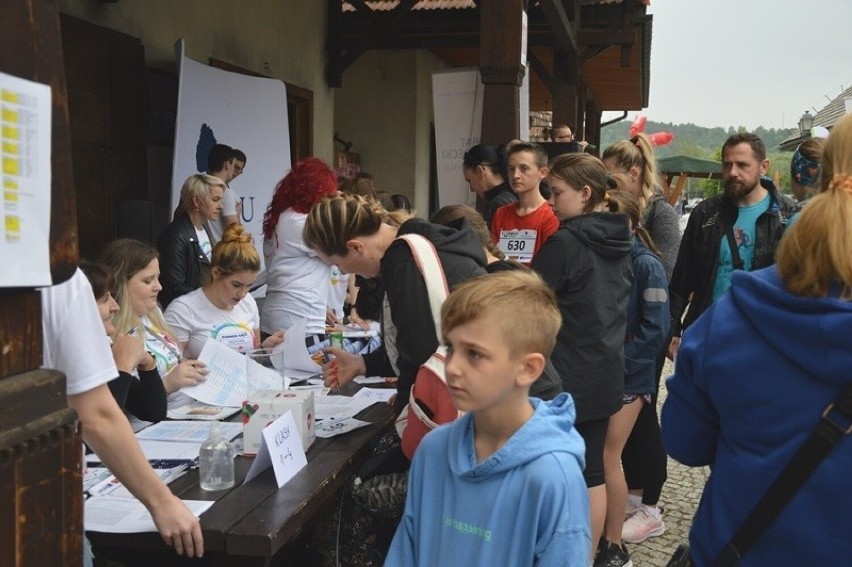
(607, 37)
(542, 72)
(564, 29)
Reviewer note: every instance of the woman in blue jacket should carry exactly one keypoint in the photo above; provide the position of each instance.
(754, 375)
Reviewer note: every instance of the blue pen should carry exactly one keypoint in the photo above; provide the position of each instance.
(170, 463)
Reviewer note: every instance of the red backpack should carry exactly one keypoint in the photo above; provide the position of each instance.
(429, 403)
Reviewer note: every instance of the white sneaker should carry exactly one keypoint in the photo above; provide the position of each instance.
(631, 509)
(642, 525)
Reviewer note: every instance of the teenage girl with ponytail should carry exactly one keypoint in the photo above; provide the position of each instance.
(587, 263)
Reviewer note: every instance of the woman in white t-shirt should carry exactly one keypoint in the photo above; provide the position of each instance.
(137, 284)
(298, 280)
(223, 309)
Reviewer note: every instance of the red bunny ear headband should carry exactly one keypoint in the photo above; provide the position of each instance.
(656, 139)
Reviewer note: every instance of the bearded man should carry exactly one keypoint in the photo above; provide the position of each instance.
(736, 230)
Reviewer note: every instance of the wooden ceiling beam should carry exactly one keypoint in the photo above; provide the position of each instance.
(563, 28)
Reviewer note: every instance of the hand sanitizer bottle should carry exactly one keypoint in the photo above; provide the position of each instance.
(216, 461)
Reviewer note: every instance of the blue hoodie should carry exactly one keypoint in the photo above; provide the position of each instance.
(526, 504)
(752, 378)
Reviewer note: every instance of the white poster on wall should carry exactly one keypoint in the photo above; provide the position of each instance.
(244, 112)
(458, 96)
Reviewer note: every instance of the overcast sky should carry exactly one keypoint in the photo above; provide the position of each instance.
(747, 62)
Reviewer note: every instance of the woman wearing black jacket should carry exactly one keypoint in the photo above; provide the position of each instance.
(185, 245)
(360, 237)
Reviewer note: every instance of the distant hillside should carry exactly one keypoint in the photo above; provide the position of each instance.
(691, 140)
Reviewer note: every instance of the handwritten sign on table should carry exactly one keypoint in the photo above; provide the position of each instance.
(281, 447)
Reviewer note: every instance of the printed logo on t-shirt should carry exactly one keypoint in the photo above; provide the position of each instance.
(518, 244)
(237, 336)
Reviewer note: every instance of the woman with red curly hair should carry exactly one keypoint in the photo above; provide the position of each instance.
(298, 280)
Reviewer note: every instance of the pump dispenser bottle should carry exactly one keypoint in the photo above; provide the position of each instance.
(216, 461)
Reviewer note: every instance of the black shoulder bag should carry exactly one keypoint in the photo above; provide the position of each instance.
(836, 422)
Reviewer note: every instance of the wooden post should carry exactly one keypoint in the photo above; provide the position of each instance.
(501, 65)
(41, 499)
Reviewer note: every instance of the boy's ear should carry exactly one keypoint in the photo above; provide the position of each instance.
(532, 365)
(543, 171)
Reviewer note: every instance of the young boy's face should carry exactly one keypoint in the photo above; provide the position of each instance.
(480, 372)
(524, 174)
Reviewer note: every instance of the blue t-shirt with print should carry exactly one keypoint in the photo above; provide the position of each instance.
(744, 228)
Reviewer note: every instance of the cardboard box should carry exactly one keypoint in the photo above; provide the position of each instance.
(265, 406)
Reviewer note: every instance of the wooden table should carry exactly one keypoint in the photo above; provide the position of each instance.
(251, 524)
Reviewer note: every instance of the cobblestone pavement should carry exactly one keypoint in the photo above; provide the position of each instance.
(679, 500)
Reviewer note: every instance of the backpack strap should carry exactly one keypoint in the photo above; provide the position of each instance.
(427, 260)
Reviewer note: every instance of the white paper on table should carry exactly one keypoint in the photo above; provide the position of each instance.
(369, 380)
(200, 411)
(126, 515)
(190, 431)
(295, 354)
(332, 427)
(226, 377)
(26, 167)
(340, 407)
(280, 446)
(376, 394)
(112, 488)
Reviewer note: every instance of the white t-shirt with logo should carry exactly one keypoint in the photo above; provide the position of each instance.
(193, 318)
(339, 285)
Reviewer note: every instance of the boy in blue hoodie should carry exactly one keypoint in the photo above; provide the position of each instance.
(503, 484)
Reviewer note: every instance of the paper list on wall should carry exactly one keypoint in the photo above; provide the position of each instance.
(25, 176)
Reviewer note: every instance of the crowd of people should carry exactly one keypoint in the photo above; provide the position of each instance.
(567, 293)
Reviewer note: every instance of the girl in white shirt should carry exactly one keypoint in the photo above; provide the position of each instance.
(299, 281)
(222, 309)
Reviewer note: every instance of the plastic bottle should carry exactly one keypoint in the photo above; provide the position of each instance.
(216, 461)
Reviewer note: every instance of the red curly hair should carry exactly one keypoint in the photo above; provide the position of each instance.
(306, 184)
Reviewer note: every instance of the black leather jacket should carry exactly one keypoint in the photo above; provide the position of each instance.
(695, 271)
(183, 265)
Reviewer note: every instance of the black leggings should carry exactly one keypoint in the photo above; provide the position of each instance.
(644, 460)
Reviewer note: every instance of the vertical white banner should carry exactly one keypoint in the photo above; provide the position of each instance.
(457, 99)
(244, 112)
(525, 105)
(458, 96)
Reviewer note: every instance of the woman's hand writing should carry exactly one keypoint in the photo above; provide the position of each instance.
(187, 373)
(273, 340)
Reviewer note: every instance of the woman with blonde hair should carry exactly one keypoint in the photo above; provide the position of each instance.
(185, 245)
(137, 284)
(643, 459)
(634, 158)
(223, 309)
(758, 371)
(361, 237)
